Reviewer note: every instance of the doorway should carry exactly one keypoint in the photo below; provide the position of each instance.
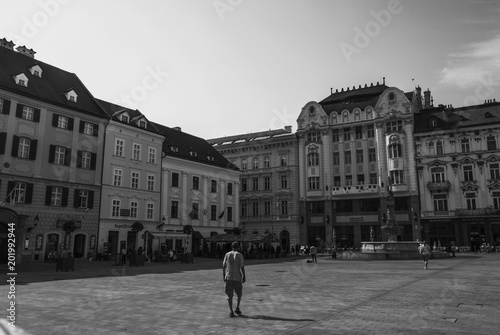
(79, 247)
(113, 243)
(52, 244)
(285, 240)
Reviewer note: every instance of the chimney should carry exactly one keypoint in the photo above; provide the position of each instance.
(427, 99)
(177, 128)
(7, 44)
(26, 51)
(288, 129)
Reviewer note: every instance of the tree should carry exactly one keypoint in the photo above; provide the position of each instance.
(137, 227)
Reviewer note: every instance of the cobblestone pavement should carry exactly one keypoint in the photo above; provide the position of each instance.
(284, 296)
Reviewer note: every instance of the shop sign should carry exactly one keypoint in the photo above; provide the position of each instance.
(60, 223)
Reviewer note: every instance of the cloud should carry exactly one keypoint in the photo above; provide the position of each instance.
(476, 61)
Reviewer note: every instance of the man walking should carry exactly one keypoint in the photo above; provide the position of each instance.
(314, 251)
(425, 251)
(233, 274)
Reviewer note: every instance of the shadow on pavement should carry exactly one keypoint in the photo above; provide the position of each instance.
(272, 318)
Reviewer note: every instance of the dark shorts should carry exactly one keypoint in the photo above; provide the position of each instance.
(233, 286)
(425, 257)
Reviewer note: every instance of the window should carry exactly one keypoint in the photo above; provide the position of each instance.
(494, 171)
(255, 184)
(213, 212)
(394, 126)
(196, 183)
(193, 153)
(370, 131)
(284, 207)
(336, 181)
(347, 157)
(142, 124)
(56, 196)
(174, 209)
(136, 152)
(229, 213)
(88, 129)
(314, 136)
(134, 205)
(358, 132)
(284, 160)
(439, 148)
(267, 208)
(496, 200)
(433, 123)
(266, 162)
(62, 121)
(19, 193)
(85, 160)
(255, 208)
(152, 156)
(83, 199)
(336, 158)
(244, 164)
(347, 134)
(150, 210)
(255, 163)
(115, 208)
(440, 202)
(244, 185)
(125, 118)
(117, 177)
(194, 214)
(313, 159)
(468, 175)
(373, 178)
(284, 181)
(173, 148)
(60, 155)
(135, 180)
(470, 198)
(1, 106)
(359, 156)
(491, 143)
(28, 113)
(119, 147)
(437, 174)
(465, 144)
(151, 183)
(397, 177)
(335, 135)
(372, 156)
(175, 179)
(213, 186)
(244, 209)
(348, 180)
(394, 150)
(267, 183)
(313, 183)
(229, 188)
(361, 179)
(23, 149)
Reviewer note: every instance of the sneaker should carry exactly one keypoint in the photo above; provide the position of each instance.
(237, 311)
(231, 315)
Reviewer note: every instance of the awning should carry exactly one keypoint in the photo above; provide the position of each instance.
(251, 238)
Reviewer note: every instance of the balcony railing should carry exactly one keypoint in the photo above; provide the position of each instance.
(438, 186)
(462, 212)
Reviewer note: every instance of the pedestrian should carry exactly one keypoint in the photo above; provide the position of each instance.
(297, 249)
(425, 251)
(233, 274)
(313, 254)
(124, 256)
(334, 253)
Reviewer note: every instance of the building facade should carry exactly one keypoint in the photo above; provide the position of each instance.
(51, 142)
(353, 147)
(131, 180)
(458, 163)
(268, 184)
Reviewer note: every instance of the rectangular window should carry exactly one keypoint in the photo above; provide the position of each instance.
(62, 122)
(267, 162)
(361, 179)
(267, 208)
(284, 181)
(255, 183)
(313, 183)
(136, 152)
(496, 200)
(244, 209)
(152, 156)
(213, 212)
(372, 156)
(135, 180)
(151, 183)
(336, 181)
(255, 208)
(244, 186)
(195, 207)
(347, 157)
(284, 207)
(397, 177)
(348, 180)
(468, 173)
(134, 205)
(267, 183)
(494, 171)
(175, 179)
(174, 209)
(394, 126)
(23, 150)
(119, 147)
(60, 155)
(359, 132)
(255, 163)
(196, 183)
(229, 216)
(373, 178)
(336, 158)
(28, 113)
(335, 135)
(314, 136)
(491, 143)
(313, 159)
(347, 134)
(115, 208)
(213, 186)
(83, 199)
(86, 158)
(437, 174)
(244, 164)
(470, 198)
(284, 160)
(19, 194)
(395, 150)
(88, 128)
(229, 188)
(440, 202)
(439, 148)
(370, 131)
(56, 196)
(359, 156)
(465, 144)
(150, 211)
(117, 177)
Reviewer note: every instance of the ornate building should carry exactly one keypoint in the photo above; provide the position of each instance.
(268, 182)
(351, 146)
(458, 163)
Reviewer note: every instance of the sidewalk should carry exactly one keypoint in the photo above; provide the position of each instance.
(285, 296)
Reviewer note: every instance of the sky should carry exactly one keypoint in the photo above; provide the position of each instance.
(224, 67)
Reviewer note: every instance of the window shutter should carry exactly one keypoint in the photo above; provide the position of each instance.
(67, 156)
(48, 195)
(91, 200)
(82, 126)
(76, 199)
(19, 111)
(36, 116)
(52, 153)
(64, 201)
(3, 142)
(10, 187)
(79, 159)
(29, 194)
(96, 130)
(55, 118)
(33, 145)
(15, 146)
(6, 107)
(93, 159)
(71, 122)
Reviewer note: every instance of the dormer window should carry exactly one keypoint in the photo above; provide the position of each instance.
(21, 79)
(193, 153)
(125, 118)
(142, 124)
(173, 148)
(36, 71)
(71, 95)
(210, 158)
(433, 123)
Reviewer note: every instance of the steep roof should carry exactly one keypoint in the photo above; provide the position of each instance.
(185, 143)
(50, 88)
(350, 99)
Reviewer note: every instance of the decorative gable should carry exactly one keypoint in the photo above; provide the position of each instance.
(21, 79)
(71, 96)
(36, 71)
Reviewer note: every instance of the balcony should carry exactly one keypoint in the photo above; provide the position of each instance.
(438, 186)
(462, 212)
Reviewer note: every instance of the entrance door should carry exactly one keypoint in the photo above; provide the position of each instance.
(113, 242)
(131, 238)
(52, 244)
(285, 240)
(79, 247)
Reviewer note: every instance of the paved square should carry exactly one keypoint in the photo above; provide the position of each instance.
(282, 296)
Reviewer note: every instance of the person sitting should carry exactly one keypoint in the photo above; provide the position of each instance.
(52, 255)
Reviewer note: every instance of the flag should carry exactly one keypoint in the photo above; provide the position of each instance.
(10, 194)
(222, 214)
